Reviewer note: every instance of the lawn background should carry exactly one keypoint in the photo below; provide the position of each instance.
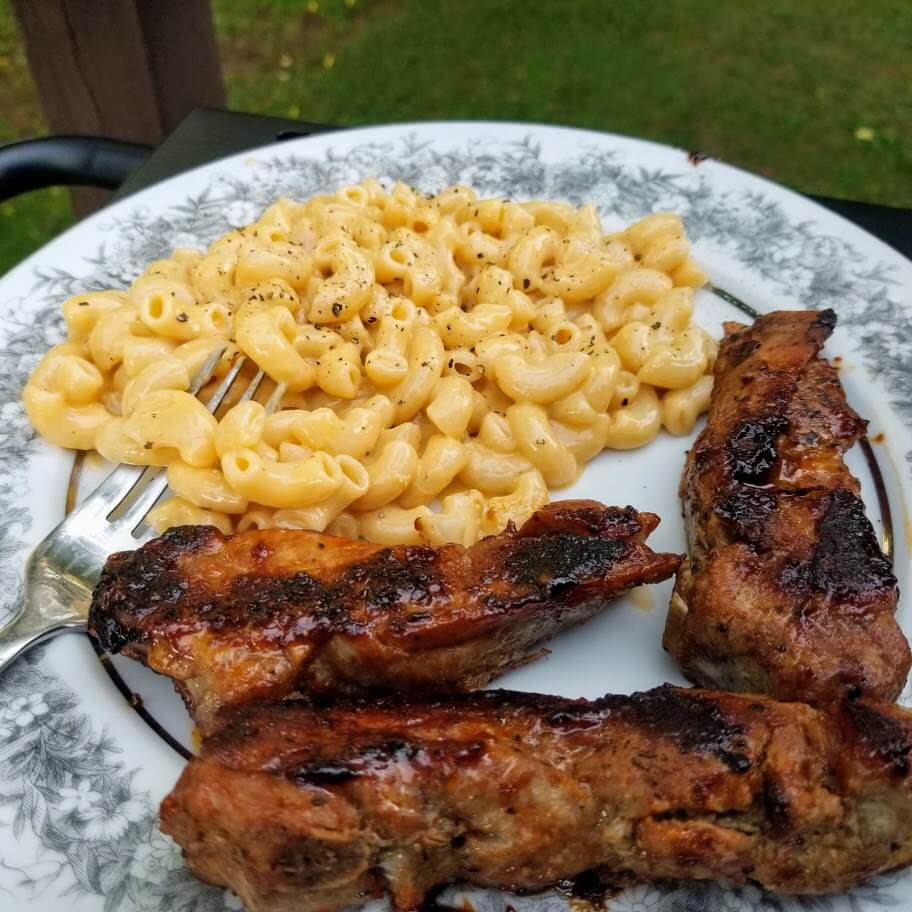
(816, 94)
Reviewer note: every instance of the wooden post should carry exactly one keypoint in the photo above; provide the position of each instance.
(128, 69)
(183, 57)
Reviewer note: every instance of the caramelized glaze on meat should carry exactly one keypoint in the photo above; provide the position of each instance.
(266, 613)
(302, 808)
(785, 590)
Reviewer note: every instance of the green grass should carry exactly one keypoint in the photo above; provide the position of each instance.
(29, 221)
(814, 93)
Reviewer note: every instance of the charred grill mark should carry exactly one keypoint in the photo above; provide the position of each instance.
(253, 594)
(189, 539)
(884, 738)
(553, 562)
(847, 562)
(613, 522)
(148, 578)
(116, 615)
(824, 324)
(736, 350)
(746, 511)
(375, 758)
(752, 448)
(776, 804)
(389, 579)
(592, 520)
(324, 774)
(112, 634)
(368, 759)
(693, 722)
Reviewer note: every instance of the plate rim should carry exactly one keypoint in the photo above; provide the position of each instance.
(262, 150)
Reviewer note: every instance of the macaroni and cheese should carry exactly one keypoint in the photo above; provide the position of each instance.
(440, 363)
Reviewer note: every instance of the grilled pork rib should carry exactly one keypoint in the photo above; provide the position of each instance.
(301, 808)
(266, 613)
(785, 590)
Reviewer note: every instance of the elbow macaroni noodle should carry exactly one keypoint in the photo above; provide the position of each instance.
(445, 362)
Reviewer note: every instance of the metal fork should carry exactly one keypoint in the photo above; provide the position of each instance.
(63, 569)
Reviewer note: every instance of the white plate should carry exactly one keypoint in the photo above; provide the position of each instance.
(81, 773)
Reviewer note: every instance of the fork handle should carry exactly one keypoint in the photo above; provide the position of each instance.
(14, 641)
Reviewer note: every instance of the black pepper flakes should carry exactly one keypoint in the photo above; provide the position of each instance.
(182, 317)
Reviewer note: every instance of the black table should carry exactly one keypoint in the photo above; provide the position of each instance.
(208, 134)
